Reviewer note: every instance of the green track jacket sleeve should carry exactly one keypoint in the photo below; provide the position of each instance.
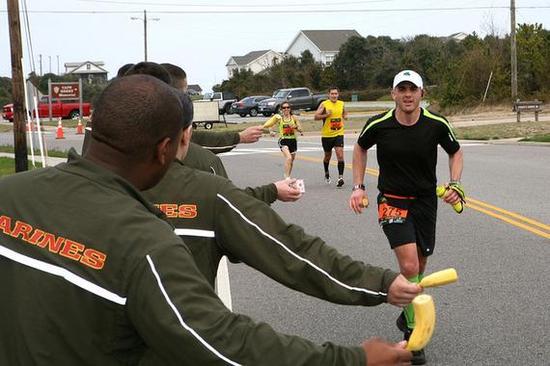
(182, 321)
(217, 142)
(266, 193)
(256, 235)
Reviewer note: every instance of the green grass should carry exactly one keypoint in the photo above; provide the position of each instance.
(53, 153)
(545, 137)
(7, 166)
(522, 130)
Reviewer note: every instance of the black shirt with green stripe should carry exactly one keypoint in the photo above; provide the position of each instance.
(407, 155)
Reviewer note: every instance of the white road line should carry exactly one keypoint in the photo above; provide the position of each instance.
(301, 149)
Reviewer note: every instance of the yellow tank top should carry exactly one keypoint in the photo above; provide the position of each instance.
(287, 128)
(333, 125)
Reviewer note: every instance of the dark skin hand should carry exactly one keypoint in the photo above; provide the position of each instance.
(382, 353)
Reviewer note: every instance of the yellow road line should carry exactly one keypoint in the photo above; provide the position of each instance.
(477, 205)
(509, 213)
(510, 221)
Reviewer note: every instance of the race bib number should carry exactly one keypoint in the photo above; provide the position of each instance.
(288, 130)
(336, 123)
(388, 213)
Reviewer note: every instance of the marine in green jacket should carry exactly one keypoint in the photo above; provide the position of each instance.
(91, 275)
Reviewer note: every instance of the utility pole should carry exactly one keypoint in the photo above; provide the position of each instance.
(50, 60)
(145, 33)
(144, 19)
(513, 51)
(18, 93)
(40, 58)
(57, 64)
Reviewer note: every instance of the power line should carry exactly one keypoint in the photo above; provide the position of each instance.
(30, 49)
(279, 5)
(282, 11)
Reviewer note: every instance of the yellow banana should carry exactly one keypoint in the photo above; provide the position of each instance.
(424, 318)
(440, 278)
(441, 192)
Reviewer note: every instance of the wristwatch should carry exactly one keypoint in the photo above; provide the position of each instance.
(358, 186)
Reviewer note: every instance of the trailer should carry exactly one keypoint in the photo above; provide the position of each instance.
(207, 113)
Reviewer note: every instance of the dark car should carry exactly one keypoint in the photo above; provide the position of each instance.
(299, 98)
(248, 105)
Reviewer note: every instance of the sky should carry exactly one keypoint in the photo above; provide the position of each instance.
(201, 36)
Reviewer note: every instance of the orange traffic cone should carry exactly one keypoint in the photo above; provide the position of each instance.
(59, 133)
(79, 128)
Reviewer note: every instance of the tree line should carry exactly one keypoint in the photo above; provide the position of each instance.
(455, 72)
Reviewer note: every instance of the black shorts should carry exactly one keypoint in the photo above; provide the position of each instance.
(418, 226)
(291, 143)
(331, 142)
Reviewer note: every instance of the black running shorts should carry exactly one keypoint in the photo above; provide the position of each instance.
(331, 142)
(418, 226)
(291, 143)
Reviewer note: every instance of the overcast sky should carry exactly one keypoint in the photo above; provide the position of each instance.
(200, 36)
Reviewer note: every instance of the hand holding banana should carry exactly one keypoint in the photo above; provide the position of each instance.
(424, 309)
(443, 191)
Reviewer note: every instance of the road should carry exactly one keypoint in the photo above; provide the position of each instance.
(497, 314)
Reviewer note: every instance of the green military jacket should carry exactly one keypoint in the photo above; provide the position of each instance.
(90, 275)
(217, 142)
(202, 159)
(215, 218)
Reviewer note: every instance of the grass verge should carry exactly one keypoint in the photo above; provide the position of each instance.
(7, 166)
(52, 153)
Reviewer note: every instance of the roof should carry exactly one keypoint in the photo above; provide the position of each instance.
(77, 69)
(328, 40)
(194, 87)
(77, 64)
(249, 57)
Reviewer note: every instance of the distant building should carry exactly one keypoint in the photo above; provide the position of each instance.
(458, 37)
(255, 61)
(89, 71)
(323, 44)
(194, 89)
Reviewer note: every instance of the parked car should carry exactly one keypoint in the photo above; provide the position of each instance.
(299, 98)
(248, 105)
(64, 109)
(224, 99)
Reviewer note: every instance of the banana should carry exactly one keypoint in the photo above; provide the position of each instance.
(440, 278)
(441, 192)
(424, 314)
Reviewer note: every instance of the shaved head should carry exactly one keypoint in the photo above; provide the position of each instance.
(135, 112)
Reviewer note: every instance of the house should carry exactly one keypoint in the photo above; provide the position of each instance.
(323, 44)
(457, 37)
(89, 71)
(194, 89)
(255, 61)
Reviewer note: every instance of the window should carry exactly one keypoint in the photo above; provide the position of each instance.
(300, 93)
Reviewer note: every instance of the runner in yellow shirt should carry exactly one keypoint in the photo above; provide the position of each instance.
(288, 125)
(333, 114)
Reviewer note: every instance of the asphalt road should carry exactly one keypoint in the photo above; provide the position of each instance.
(499, 311)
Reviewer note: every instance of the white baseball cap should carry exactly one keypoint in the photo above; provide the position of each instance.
(410, 76)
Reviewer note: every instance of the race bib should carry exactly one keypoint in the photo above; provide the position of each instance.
(336, 123)
(288, 130)
(392, 211)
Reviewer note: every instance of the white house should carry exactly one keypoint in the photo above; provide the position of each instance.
(90, 71)
(323, 44)
(255, 61)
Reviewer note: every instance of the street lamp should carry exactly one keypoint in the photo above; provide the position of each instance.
(144, 19)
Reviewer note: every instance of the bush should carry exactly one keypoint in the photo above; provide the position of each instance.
(364, 95)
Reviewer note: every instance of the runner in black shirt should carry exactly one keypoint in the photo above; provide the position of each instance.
(406, 140)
